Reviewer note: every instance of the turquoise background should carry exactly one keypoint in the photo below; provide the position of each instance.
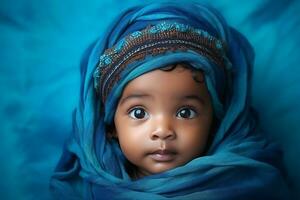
(41, 43)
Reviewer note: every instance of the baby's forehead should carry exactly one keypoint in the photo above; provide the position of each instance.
(173, 83)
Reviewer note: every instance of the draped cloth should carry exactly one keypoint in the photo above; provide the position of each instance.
(239, 164)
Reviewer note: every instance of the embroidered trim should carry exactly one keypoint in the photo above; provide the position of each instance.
(154, 40)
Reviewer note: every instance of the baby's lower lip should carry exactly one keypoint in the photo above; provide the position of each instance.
(163, 156)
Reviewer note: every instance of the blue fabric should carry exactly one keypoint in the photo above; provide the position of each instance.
(240, 163)
(41, 46)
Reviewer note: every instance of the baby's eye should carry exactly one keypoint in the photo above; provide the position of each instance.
(138, 113)
(186, 113)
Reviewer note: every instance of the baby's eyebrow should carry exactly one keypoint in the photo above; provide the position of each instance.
(134, 96)
(192, 97)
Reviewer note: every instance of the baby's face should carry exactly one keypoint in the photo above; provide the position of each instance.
(163, 120)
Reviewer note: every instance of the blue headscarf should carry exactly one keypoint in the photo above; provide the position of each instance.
(239, 164)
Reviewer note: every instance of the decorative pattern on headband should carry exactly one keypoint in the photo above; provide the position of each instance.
(154, 40)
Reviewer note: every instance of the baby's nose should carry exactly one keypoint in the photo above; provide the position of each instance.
(163, 130)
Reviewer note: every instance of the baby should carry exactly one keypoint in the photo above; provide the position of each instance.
(163, 120)
(164, 113)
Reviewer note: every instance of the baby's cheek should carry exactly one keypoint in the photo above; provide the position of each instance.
(193, 138)
(131, 144)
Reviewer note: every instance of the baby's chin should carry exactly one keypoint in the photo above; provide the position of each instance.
(160, 167)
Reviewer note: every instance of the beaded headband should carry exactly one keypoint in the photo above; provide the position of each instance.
(154, 40)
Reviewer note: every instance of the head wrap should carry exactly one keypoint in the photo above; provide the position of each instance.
(240, 163)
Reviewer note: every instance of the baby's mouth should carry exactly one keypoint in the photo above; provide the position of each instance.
(163, 155)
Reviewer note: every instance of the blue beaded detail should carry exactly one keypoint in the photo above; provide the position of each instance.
(219, 44)
(136, 34)
(106, 59)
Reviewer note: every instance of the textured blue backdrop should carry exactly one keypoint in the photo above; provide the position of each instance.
(41, 43)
